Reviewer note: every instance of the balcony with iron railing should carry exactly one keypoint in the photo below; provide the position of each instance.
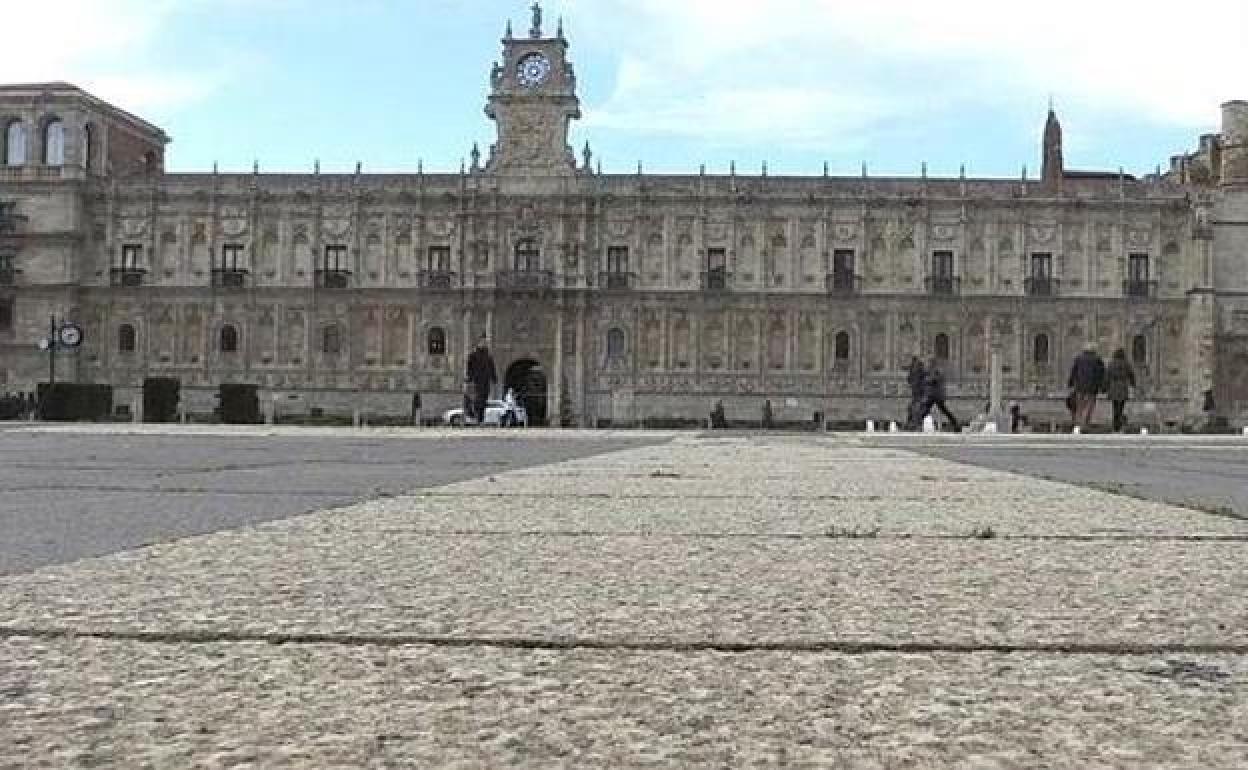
(716, 280)
(526, 280)
(333, 278)
(1040, 286)
(944, 286)
(435, 279)
(843, 283)
(126, 277)
(1138, 288)
(617, 281)
(229, 278)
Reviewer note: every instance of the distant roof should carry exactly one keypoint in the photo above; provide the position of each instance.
(62, 88)
(1102, 175)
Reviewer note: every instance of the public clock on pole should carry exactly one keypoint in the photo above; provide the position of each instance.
(70, 335)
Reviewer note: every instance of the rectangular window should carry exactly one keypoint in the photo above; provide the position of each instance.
(843, 262)
(8, 216)
(6, 315)
(1137, 268)
(1042, 266)
(231, 256)
(617, 259)
(336, 257)
(439, 259)
(942, 280)
(716, 260)
(131, 256)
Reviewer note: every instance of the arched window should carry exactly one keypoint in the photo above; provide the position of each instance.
(15, 143)
(842, 347)
(615, 343)
(437, 341)
(1139, 350)
(88, 147)
(528, 256)
(331, 340)
(1040, 350)
(125, 338)
(54, 143)
(940, 347)
(229, 339)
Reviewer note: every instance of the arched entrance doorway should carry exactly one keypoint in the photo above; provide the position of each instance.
(528, 379)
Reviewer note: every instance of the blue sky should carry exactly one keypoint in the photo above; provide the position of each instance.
(673, 83)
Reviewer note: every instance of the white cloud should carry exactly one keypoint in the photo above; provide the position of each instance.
(103, 46)
(824, 70)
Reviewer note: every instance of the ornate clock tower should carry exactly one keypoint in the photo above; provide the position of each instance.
(532, 101)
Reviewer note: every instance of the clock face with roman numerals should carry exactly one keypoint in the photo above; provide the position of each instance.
(533, 70)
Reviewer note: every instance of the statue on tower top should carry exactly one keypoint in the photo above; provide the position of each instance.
(536, 31)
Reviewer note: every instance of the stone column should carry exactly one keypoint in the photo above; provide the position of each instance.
(554, 398)
(996, 384)
(582, 399)
(467, 346)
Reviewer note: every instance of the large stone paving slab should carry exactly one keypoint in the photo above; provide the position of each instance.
(88, 703)
(679, 590)
(1067, 512)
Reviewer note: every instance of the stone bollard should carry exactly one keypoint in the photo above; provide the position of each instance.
(136, 410)
(1077, 431)
(893, 427)
(990, 427)
(929, 424)
(1246, 430)
(870, 426)
(355, 418)
(1143, 431)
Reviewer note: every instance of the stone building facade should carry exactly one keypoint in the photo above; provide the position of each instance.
(610, 297)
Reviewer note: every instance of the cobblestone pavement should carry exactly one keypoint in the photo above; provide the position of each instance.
(705, 602)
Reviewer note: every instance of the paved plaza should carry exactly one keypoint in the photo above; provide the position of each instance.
(624, 600)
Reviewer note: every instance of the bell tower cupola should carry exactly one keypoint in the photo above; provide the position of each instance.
(532, 103)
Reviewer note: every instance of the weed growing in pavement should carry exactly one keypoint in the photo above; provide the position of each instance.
(983, 533)
(664, 475)
(852, 534)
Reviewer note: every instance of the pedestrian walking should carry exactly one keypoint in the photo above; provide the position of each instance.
(1087, 380)
(482, 376)
(1119, 379)
(916, 377)
(718, 420)
(934, 395)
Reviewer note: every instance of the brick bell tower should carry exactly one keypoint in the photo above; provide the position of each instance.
(532, 102)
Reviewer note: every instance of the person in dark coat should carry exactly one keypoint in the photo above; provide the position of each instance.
(482, 376)
(1087, 379)
(934, 395)
(1119, 379)
(916, 378)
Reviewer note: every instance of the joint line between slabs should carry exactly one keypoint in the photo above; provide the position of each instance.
(618, 645)
(890, 536)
